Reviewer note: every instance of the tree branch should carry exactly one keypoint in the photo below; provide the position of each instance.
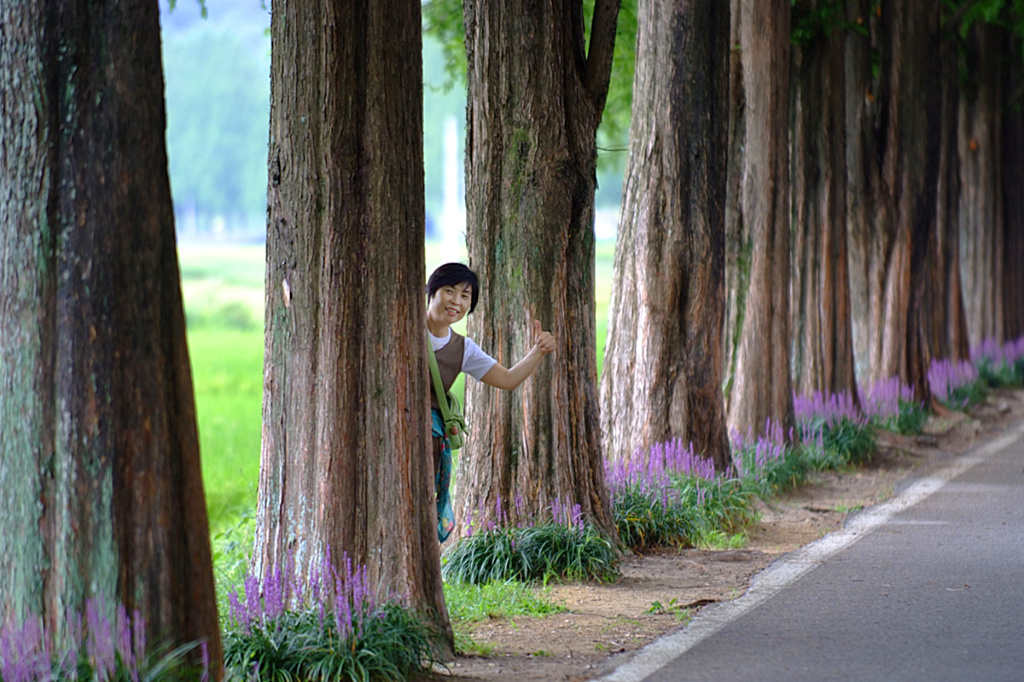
(601, 48)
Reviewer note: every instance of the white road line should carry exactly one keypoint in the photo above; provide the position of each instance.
(787, 570)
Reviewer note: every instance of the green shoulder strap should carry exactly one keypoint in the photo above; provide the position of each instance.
(442, 401)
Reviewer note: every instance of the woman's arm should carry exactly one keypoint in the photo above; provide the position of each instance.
(500, 376)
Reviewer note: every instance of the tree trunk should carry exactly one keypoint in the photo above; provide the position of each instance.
(862, 175)
(737, 233)
(760, 386)
(1013, 192)
(99, 453)
(345, 462)
(981, 202)
(892, 227)
(535, 100)
(822, 338)
(663, 359)
(944, 305)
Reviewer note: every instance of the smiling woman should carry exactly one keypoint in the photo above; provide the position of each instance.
(452, 292)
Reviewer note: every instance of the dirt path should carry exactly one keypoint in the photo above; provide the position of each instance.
(606, 619)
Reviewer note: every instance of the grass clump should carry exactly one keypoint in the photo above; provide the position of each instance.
(471, 603)
(562, 545)
(956, 385)
(890, 405)
(834, 432)
(332, 629)
(667, 496)
(768, 465)
(1000, 365)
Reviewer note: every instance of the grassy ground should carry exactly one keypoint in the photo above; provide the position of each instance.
(224, 298)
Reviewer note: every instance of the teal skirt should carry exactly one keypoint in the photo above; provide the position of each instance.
(442, 478)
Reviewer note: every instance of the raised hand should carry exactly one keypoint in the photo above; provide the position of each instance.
(542, 340)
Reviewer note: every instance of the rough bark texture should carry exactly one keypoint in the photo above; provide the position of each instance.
(345, 461)
(760, 388)
(535, 100)
(822, 338)
(895, 212)
(861, 180)
(1013, 178)
(99, 453)
(663, 358)
(944, 305)
(981, 202)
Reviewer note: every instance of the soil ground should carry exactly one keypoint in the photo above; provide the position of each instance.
(603, 620)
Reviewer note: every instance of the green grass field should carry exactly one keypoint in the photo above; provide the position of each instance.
(224, 299)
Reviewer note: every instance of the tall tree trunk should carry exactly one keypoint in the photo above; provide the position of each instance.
(822, 338)
(944, 304)
(892, 240)
(862, 92)
(981, 202)
(737, 233)
(345, 461)
(760, 386)
(535, 100)
(663, 359)
(99, 453)
(1013, 192)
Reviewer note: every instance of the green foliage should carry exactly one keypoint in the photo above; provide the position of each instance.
(573, 551)
(967, 395)
(232, 555)
(1002, 374)
(469, 603)
(442, 20)
(909, 421)
(306, 645)
(218, 105)
(810, 23)
(768, 467)
(646, 519)
(227, 368)
(838, 443)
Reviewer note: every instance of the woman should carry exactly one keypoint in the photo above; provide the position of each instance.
(452, 292)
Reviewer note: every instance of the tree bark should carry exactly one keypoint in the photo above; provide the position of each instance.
(535, 100)
(760, 387)
(892, 224)
(1013, 273)
(822, 358)
(862, 174)
(99, 453)
(944, 305)
(663, 358)
(981, 202)
(345, 462)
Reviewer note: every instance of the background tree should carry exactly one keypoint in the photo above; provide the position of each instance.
(663, 359)
(946, 318)
(536, 94)
(982, 104)
(895, 135)
(822, 358)
(757, 217)
(1013, 171)
(345, 462)
(103, 496)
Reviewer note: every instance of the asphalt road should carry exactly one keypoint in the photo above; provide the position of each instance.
(928, 586)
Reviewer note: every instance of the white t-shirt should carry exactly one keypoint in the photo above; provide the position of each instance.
(475, 362)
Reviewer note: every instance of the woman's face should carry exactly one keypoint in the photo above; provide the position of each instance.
(450, 303)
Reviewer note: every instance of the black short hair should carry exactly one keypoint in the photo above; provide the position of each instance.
(451, 274)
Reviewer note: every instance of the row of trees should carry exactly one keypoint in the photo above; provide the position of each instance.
(786, 222)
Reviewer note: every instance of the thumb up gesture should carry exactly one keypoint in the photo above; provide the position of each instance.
(542, 341)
